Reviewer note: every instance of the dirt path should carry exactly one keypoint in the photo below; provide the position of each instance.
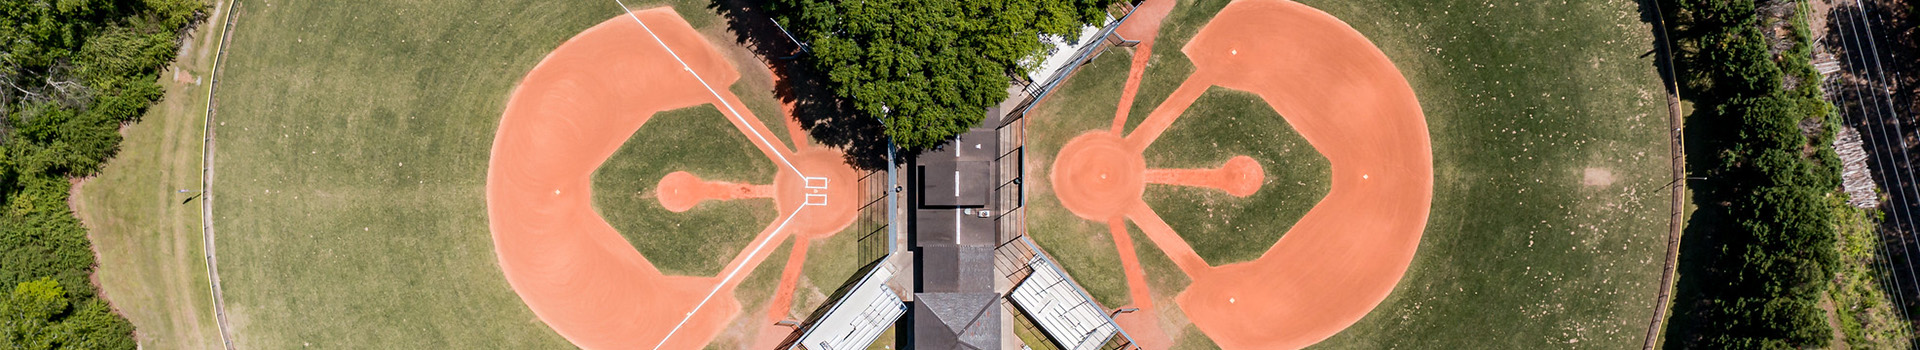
(1339, 261)
(1143, 25)
(206, 184)
(1676, 211)
(578, 106)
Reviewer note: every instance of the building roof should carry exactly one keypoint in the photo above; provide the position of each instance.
(933, 227)
(956, 269)
(955, 184)
(943, 321)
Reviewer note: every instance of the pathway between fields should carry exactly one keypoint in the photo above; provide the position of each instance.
(1676, 212)
(206, 183)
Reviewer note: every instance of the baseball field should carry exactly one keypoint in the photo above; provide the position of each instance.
(373, 182)
(1545, 130)
(352, 189)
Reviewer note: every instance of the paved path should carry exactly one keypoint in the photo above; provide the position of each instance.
(1676, 213)
(206, 183)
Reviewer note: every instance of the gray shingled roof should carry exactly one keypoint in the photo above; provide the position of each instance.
(945, 321)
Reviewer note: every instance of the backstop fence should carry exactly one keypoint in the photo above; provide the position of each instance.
(872, 222)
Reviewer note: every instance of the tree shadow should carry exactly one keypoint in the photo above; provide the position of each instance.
(828, 119)
(1698, 249)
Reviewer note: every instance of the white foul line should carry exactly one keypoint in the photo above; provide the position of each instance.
(730, 274)
(756, 134)
(716, 95)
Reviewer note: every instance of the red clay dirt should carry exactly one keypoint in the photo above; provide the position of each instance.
(568, 115)
(1240, 177)
(1143, 25)
(1339, 261)
(680, 191)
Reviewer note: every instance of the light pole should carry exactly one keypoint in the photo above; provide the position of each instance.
(1117, 312)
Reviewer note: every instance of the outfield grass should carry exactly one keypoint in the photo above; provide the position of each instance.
(1521, 100)
(1083, 248)
(700, 141)
(145, 234)
(1222, 228)
(831, 263)
(353, 147)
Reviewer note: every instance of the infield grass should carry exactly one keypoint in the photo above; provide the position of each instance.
(353, 148)
(1222, 228)
(1547, 123)
(700, 141)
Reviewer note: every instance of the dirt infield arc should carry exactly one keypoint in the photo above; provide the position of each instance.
(1340, 260)
(572, 112)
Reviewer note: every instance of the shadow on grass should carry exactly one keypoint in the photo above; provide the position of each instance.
(827, 119)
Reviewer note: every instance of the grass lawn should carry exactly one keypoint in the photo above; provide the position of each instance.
(353, 147)
(1222, 228)
(831, 263)
(752, 294)
(1083, 248)
(1524, 249)
(144, 233)
(700, 141)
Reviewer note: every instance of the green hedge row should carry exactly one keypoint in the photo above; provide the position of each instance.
(1760, 134)
(71, 73)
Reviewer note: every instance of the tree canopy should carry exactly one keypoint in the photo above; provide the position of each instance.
(928, 68)
(1760, 137)
(71, 73)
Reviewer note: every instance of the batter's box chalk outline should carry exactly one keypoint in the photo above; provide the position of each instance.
(816, 183)
(816, 199)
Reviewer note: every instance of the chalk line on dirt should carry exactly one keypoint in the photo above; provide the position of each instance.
(716, 94)
(757, 135)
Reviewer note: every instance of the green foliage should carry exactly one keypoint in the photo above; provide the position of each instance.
(1761, 136)
(73, 72)
(1866, 312)
(38, 315)
(929, 68)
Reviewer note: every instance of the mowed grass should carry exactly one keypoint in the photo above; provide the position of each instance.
(700, 141)
(353, 146)
(1083, 248)
(145, 233)
(1521, 100)
(1222, 228)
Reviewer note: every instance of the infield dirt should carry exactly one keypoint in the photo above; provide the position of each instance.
(573, 111)
(1339, 261)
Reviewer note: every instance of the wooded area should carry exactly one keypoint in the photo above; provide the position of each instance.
(74, 71)
(1763, 238)
(928, 68)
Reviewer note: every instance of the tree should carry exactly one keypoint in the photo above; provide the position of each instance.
(928, 68)
(37, 316)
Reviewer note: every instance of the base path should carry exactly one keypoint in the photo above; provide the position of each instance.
(1340, 260)
(572, 112)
